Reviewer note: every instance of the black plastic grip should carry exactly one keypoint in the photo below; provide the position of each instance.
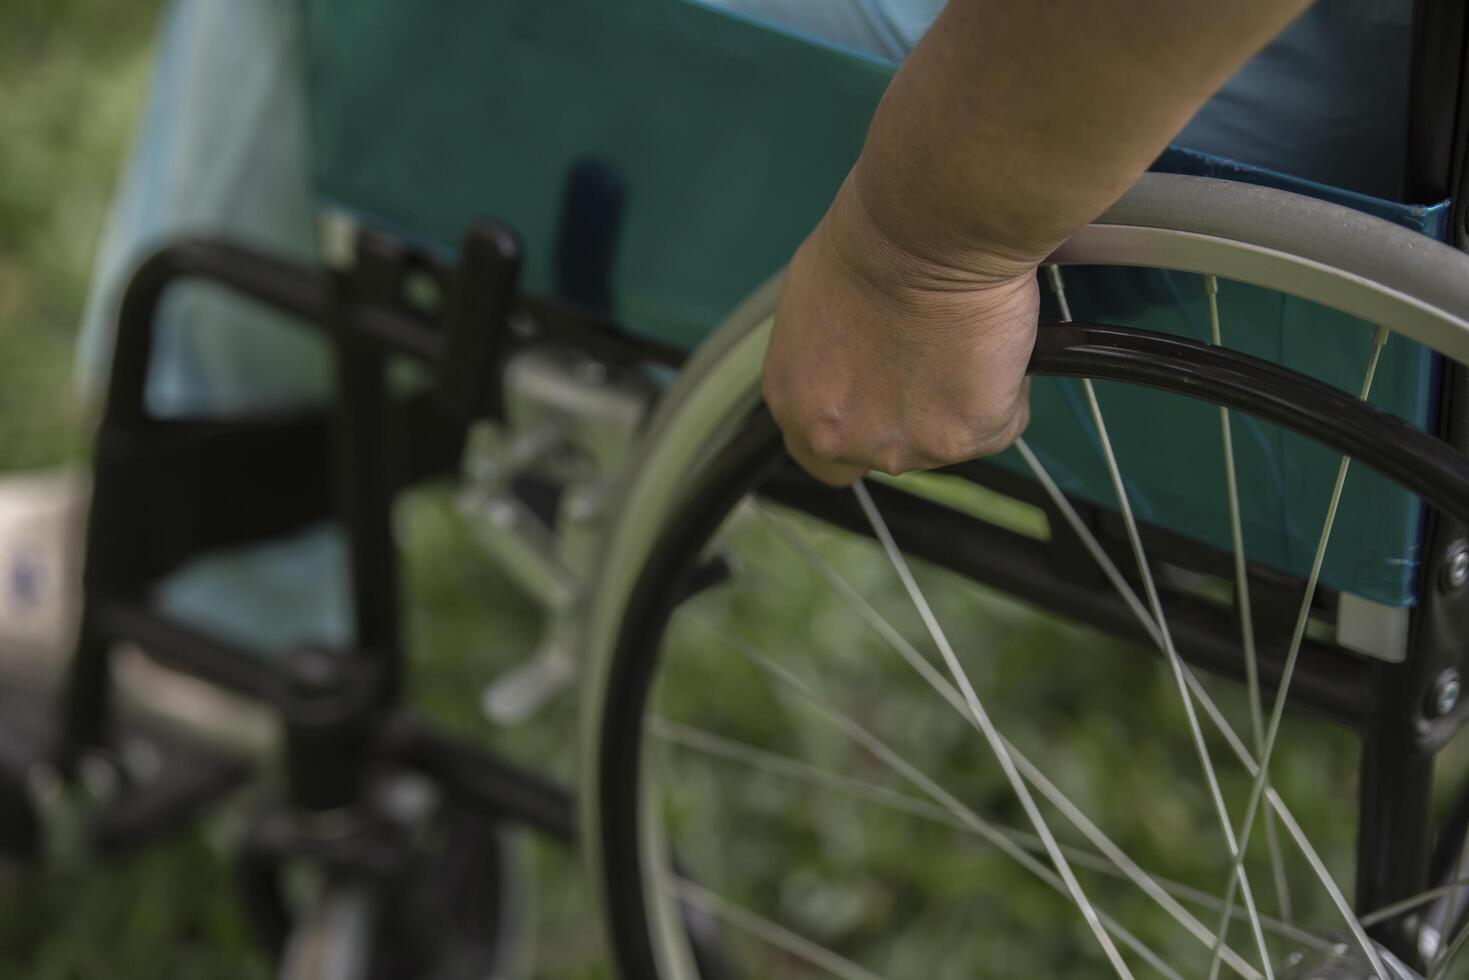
(478, 322)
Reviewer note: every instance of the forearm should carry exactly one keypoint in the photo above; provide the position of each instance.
(1013, 124)
(908, 316)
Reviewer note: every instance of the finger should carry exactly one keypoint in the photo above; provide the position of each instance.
(831, 473)
(1019, 421)
(1005, 436)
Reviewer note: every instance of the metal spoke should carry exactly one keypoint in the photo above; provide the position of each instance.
(733, 750)
(762, 928)
(1242, 602)
(1090, 542)
(1303, 616)
(1129, 597)
(1211, 709)
(941, 685)
(1413, 901)
(1175, 663)
(1450, 917)
(896, 801)
(1292, 827)
(884, 797)
(991, 735)
(895, 761)
(1444, 959)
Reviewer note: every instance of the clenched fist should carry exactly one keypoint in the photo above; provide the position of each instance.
(909, 314)
(882, 359)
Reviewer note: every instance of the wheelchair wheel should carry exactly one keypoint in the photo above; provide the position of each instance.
(914, 733)
(450, 907)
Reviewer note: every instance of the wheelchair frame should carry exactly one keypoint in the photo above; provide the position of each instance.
(170, 489)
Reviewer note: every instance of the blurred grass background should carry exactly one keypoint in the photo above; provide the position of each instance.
(73, 74)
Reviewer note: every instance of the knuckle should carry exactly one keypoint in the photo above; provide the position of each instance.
(984, 429)
(824, 436)
(992, 419)
(892, 459)
(1018, 426)
(1003, 435)
(950, 444)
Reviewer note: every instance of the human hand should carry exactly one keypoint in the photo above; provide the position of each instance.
(884, 359)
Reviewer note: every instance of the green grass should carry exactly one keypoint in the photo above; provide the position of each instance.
(74, 73)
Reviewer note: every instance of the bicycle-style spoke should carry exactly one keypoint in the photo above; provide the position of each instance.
(1121, 863)
(1413, 901)
(991, 735)
(742, 753)
(1303, 616)
(875, 794)
(1090, 542)
(763, 929)
(924, 783)
(1450, 916)
(1234, 848)
(1292, 827)
(1445, 958)
(1236, 533)
(1129, 597)
(1025, 779)
(1242, 604)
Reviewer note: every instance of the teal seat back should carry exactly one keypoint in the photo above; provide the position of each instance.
(731, 138)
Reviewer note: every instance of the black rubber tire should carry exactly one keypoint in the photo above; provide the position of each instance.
(448, 922)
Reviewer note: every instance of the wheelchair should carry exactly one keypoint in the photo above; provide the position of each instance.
(1241, 512)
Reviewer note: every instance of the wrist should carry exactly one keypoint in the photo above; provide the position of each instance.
(906, 266)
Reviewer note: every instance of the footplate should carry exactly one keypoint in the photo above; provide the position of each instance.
(155, 780)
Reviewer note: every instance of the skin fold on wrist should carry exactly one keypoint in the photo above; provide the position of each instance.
(857, 240)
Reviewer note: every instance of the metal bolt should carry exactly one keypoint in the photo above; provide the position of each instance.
(1446, 692)
(1456, 566)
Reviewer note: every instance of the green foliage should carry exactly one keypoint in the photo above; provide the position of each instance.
(909, 897)
(166, 911)
(73, 73)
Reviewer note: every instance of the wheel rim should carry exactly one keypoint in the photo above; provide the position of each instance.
(727, 391)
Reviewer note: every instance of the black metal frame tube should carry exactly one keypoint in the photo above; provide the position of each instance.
(291, 288)
(358, 312)
(1328, 680)
(482, 781)
(362, 483)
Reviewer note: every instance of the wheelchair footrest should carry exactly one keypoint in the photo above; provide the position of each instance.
(172, 780)
(154, 779)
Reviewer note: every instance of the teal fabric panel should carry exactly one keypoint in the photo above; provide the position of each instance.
(221, 150)
(1324, 99)
(1170, 448)
(732, 137)
(271, 598)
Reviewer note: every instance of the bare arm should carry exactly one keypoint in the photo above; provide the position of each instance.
(908, 315)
